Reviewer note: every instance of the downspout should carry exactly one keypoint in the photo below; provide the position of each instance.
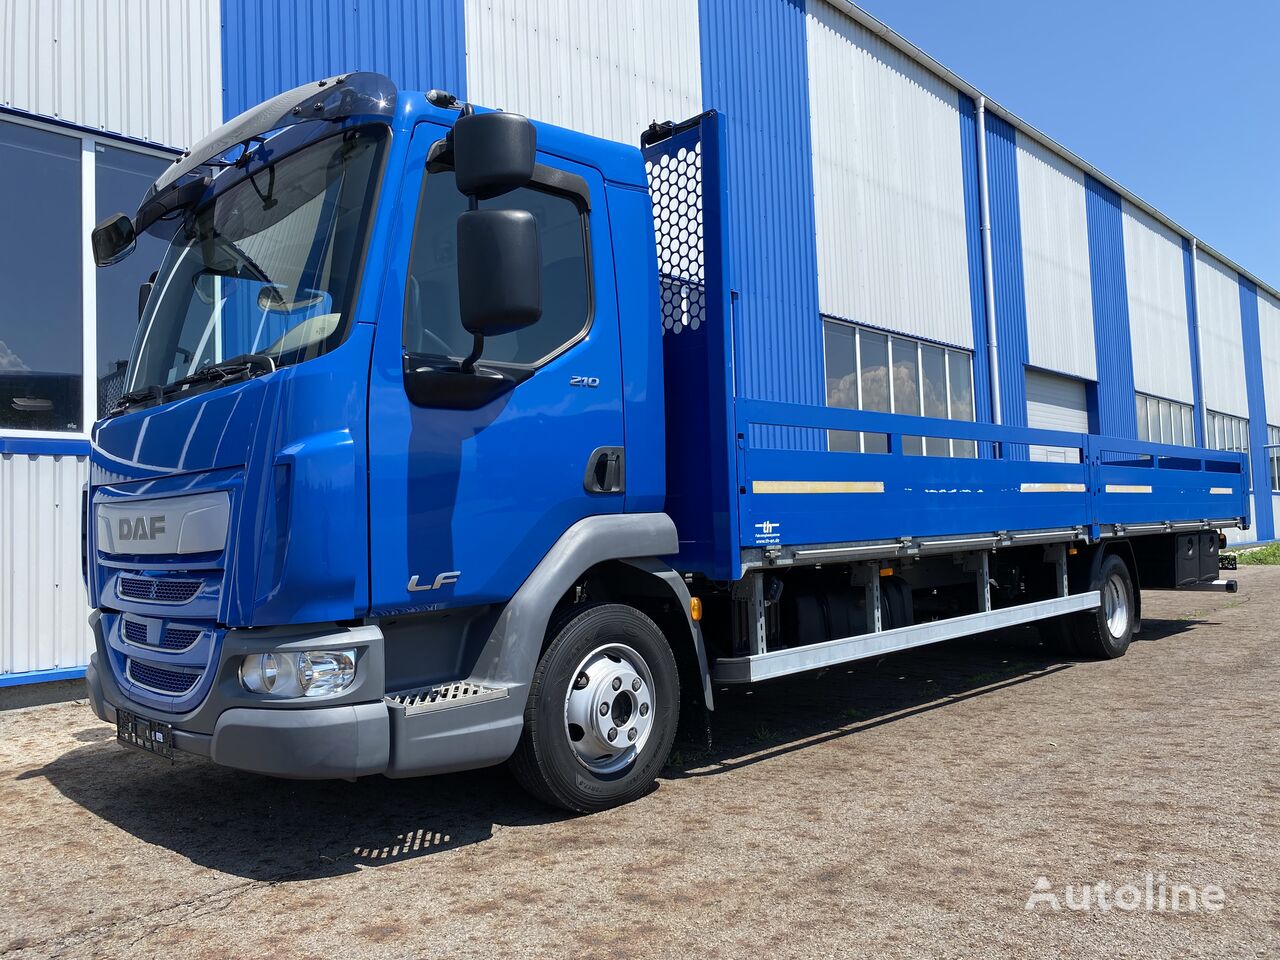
(988, 272)
(1195, 326)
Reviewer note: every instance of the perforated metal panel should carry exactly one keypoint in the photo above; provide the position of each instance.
(675, 188)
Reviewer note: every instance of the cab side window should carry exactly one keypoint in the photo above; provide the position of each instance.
(431, 320)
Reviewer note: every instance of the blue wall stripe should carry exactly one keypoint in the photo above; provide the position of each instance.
(1117, 414)
(755, 72)
(39, 447)
(1193, 338)
(269, 46)
(1264, 520)
(41, 676)
(973, 242)
(1006, 256)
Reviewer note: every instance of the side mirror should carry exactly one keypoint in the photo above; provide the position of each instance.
(493, 153)
(113, 240)
(144, 292)
(499, 272)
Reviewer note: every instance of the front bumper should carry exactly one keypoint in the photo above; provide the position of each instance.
(362, 733)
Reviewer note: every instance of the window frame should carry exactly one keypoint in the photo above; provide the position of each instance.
(1272, 452)
(546, 179)
(89, 141)
(919, 344)
(1182, 419)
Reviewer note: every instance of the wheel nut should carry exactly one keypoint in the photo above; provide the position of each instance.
(635, 684)
(631, 734)
(613, 734)
(644, 709)
(604, 709)
(617, 683)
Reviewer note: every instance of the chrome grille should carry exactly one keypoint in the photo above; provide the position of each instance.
(155, 590)
(161, 679)
(179, 638)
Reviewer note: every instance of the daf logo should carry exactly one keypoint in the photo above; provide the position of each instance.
(141, 528)
(442, 580)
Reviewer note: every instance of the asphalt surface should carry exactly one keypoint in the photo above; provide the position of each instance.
(900, 807)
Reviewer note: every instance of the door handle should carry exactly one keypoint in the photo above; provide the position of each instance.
(606, 471)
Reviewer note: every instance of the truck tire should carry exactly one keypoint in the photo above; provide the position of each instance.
(1105, 633)
(602, 713)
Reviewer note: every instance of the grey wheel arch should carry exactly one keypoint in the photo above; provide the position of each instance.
(512, 651)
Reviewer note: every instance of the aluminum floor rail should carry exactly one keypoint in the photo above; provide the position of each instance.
(781, 663)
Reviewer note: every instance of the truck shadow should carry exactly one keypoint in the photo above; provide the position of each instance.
(280, 831)
(753, 725)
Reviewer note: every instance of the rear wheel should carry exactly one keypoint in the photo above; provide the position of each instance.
(602, 712)
(1106, 632)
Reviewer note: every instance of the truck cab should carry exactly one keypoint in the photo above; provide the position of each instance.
(393, 405)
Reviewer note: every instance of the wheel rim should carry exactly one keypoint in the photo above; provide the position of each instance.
(611, 691)
(1115, 605)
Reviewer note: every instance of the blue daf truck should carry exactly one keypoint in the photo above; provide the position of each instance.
(432, 456)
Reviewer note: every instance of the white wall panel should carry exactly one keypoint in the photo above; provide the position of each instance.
(888, 185)
(1055, 262)
(1156, 275)
(1221, 337)
(150, 69)
(43, 609)
(607, 69)
(1269, 331)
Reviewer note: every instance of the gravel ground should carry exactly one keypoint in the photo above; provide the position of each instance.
(902, 807)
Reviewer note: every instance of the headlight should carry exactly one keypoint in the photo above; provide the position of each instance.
(316, 673)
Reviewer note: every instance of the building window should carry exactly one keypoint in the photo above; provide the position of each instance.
(1165, 421)
(41, 276)
(121, 180)
(1273, 456)
(868, 370)
(1225, 432)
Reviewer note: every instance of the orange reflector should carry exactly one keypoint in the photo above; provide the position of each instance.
(886, 571)
(695, 608)
(1072, 551)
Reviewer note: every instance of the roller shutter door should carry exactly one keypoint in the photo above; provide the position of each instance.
(1056, 403)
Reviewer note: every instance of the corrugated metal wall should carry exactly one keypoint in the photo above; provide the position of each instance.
(1221, 343)
(608, 69)
(1007, 270)
(1263, 516)
(149, 69)
(982, 394)
(755, 70)
(1269, 337)
(888, 187)
(269, 46)
(1157, 307)
(1055, 256)
(1116, 411)
(43, 610)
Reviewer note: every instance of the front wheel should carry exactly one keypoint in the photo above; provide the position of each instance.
(602, 712)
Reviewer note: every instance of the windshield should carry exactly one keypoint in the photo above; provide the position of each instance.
(267, 267)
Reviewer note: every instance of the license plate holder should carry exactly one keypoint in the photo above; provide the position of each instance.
(150, 736)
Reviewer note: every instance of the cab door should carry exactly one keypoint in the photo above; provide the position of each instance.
(465, 502)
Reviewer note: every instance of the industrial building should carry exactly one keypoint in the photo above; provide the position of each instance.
(859, 224)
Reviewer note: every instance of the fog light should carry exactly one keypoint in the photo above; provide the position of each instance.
(316, 673)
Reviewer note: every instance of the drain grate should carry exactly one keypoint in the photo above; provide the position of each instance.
(458, 694)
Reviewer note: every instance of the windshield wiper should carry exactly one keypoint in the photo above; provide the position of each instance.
(232, 369)
(245, 366)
